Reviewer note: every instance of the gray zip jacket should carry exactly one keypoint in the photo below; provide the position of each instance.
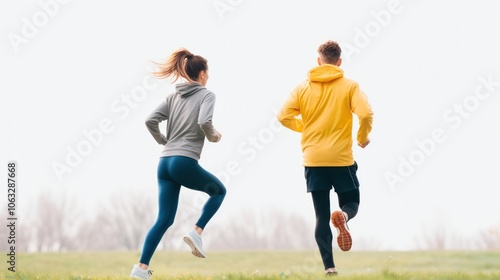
(188, 113)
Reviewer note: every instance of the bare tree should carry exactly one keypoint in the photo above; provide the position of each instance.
(274, 230)
(490, 239)
(24, 234)
(240, 233)
(367, 244)
(122, 223)
(95, 234)
(440, 239)
(433, 238)
(54, 225)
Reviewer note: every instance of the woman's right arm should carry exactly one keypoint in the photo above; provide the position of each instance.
(153, 121)
(205, 118)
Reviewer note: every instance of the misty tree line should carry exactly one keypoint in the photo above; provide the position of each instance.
(122, 223)
(61, 225)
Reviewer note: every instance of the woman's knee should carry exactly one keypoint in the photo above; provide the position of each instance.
(163, 224)
(222, 190)
(215, 188)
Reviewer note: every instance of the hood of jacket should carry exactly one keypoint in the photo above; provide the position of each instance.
(325, 73)
(187, 89)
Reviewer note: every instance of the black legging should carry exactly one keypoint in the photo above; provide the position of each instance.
(348, 202)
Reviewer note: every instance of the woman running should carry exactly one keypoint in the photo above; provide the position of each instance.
(188, 113)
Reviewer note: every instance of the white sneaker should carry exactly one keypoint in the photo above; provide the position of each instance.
(140, 273)
(331, 272)
(193, 239)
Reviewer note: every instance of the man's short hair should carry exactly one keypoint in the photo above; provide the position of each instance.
(330, 52)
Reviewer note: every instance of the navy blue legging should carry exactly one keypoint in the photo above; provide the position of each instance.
(173, 172)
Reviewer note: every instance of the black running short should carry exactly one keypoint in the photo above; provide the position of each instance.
(340, 178)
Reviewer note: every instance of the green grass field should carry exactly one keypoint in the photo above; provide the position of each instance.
(261, 265)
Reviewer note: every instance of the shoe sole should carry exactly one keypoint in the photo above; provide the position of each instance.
(194, 248)
(344, 239)
(139, 277)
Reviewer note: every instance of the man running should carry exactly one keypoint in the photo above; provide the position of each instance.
(326, 102)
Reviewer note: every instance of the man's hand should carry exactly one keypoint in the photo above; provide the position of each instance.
(363, 145)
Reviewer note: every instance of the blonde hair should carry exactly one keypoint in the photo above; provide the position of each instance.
(181, 63)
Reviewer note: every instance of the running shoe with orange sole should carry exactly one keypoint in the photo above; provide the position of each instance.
(344, 239)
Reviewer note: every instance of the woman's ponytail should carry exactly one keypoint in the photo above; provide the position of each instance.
(182, 63)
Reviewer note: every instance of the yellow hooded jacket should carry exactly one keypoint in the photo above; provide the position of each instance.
(326, 102)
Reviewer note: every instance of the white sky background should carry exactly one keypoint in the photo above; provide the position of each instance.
(414, 67)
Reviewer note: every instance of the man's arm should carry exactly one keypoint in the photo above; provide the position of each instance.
(289, 112)
(362, 109)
